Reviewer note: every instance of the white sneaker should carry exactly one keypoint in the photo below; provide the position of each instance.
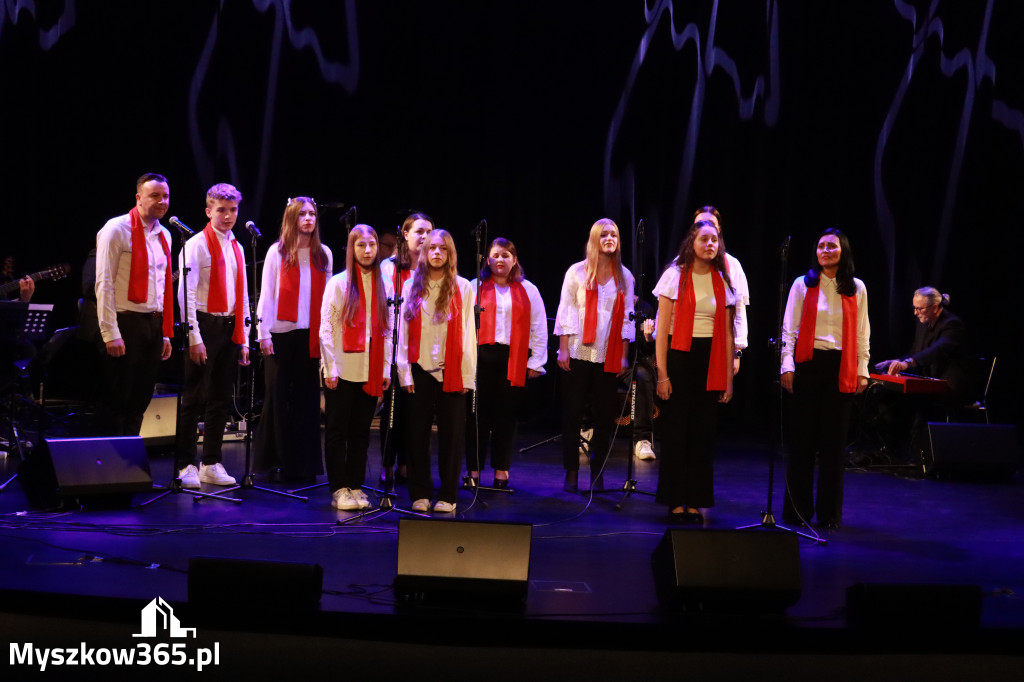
(421, 505)
(342, 499)
(444, 507)
(360, 498)
(215, 474)
(643, 450)
(189, 477)
(585, 436)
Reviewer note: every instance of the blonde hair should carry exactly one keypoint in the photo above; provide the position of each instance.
(352, 302)
(288, 241)
(421, 276)
(224, 192)
(594, 254)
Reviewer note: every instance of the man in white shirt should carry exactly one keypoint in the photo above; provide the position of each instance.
(134, 305)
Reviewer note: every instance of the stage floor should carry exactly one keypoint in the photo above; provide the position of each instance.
(590, 564)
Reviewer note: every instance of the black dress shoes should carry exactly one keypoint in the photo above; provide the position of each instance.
(501, 483)
(686, 517)
(572, 482)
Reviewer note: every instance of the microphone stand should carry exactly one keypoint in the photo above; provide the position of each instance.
(629, 485)
(767, 517)
(248, 480)
(186, 327)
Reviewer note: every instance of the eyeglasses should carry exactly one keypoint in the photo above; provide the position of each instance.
(923, 308)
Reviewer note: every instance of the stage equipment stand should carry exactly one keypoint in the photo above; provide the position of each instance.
(249, 480)
(629, 486)
(767, 517)
(183, 344)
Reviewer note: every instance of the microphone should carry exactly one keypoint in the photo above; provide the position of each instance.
(784, 247)
(351, 216)
(182, 227)
(253, 230)
(640, 229)
(480, 227)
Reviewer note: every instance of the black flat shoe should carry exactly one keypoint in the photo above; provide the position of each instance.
(572, 482)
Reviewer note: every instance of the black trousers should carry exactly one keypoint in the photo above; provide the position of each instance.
(289, 433)
(587, 383)
(128, 381)
(820, 425)
(348, 411)
(450, 409)
(687, 427)
(207, 391)
(498, 404)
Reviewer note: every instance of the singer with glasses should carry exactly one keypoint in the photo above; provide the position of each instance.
(825, 349)
(398, 269)
(135, 305)
(512, 347)
(355, 338)
(593, 324)
(295, 274)
(216, 295)
(694, 351)
(437, 368)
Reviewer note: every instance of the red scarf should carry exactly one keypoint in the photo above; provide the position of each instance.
(519, 336)
(288, 298)
(452, 346)
(682, 327)
(138, 276)
(353, 339)
(613, 356)
(217, 297)
(805, 337)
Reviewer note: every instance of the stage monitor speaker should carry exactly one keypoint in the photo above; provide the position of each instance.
(909, 608)
(102, 470)
(462, 558)
(159, 424)
(984, 450)
(727, 570)
(254, 584)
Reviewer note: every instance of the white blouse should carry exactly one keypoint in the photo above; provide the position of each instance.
(538, 322)
(828, 323)
(433, 336)
(337, 363)
(266, 309)
(572, 307)
(704, 293)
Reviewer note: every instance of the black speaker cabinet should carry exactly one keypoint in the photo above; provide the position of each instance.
(461, 558)
(727, 570)
(159, 424)
(105, 470)
(909, 608)
(254, 584)
(986, 450)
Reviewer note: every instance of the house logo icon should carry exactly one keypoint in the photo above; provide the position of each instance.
(158, 619)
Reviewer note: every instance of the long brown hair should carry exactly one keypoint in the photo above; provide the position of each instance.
(422, 276)
(352, 302)
(288, 241)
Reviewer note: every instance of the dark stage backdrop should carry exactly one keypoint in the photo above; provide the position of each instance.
(899, 122)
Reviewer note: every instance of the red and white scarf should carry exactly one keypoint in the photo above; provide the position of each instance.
(682, 327)
(452, 347)
(138, 275)
(217, 297)
(805, 337)
(353, 339)
(613, 356)
(290, 281)
(519, 335)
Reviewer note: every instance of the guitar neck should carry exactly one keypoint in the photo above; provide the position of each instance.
(16, 284)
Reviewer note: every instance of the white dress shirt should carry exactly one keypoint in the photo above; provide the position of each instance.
(828, 323)
(266, 309)
(538, 322)
(433, 336)
(196, 257)
(337, 363)
(742, 289)
(113, 272)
